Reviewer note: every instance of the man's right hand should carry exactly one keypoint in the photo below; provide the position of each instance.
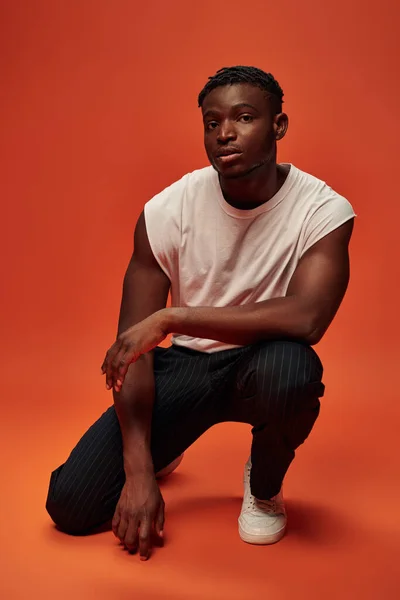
(139, 512)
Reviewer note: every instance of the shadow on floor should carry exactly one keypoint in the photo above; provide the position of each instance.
(313, 523)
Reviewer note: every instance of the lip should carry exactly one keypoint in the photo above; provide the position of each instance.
(228, 152)
(228, 158)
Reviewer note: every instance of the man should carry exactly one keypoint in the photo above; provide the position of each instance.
(255, 254)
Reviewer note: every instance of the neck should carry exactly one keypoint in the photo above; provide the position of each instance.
(255, 188)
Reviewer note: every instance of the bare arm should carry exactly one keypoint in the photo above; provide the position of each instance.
(145, 291)
(314, 295)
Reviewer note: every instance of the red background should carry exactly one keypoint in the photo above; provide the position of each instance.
(98, 113)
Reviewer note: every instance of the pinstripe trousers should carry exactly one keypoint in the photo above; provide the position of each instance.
(273, 386)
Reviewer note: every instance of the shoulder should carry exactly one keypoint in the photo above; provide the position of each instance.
(322, 209)
(188, 186)
(165, 212)
(319, 196)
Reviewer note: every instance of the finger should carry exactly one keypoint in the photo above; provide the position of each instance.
(123, 369)
(115, 521)
(124, 364)
(144, 539)
(159, 522)
(131, 536)
(105, 361)
(122, 527)
(104, 369)
(113, 353)
(118, 359)
(109, 360)
(103, 366)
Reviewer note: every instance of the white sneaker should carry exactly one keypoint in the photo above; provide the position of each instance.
(261, 521)
(170, 468)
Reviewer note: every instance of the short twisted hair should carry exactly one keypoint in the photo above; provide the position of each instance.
(240, 74)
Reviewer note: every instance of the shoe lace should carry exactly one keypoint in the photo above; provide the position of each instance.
(268, 506)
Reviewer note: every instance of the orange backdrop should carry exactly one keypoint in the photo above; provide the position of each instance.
(99, 112)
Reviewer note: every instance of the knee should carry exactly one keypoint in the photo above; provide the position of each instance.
(62, 506)
(286, 370)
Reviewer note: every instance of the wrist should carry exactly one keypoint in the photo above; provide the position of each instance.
(138, 464)
(137, 474)
(171, 319)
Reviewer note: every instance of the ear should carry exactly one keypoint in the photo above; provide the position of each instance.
(281, 123)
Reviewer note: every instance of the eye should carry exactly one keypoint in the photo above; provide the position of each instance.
(246, 118)
(211, 125)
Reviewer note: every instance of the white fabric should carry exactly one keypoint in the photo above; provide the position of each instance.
(217, 255)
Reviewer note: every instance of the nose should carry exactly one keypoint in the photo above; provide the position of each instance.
(226, 132)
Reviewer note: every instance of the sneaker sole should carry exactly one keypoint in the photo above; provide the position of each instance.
(261, 539)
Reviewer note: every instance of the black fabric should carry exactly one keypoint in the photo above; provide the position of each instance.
(273, 386)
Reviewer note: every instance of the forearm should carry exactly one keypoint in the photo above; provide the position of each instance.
(286, 317)
(134, 408)
(132, 311)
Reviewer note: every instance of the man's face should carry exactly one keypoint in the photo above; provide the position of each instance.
(240, 129)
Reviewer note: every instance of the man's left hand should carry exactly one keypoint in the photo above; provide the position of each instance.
(130, 345)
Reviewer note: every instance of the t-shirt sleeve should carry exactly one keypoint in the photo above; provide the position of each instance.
(162, 216)
(330, 214)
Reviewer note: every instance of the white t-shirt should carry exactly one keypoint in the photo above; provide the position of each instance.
(217, 255)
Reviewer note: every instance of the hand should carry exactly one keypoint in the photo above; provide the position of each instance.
(131, 344)
(140, 507)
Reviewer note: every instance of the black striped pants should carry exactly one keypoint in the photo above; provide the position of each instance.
(273, 386)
